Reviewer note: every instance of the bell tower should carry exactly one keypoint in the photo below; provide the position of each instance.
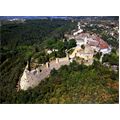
(78, 26)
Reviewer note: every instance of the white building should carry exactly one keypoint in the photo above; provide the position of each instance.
(106, 50)
(49, 51)
(79, 30)
(81, 41)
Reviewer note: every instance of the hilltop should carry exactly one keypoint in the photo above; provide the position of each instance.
(40, 41)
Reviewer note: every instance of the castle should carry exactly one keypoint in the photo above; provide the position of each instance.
(91, 43)
(32, 78)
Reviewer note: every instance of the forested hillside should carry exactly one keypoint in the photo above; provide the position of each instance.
(70, 84)
(18, 42)
(74, 84)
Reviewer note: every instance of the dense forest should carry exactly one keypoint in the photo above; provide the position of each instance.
(70, 84)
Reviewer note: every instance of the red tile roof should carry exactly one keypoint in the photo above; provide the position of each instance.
(97, 41)
(102, 43)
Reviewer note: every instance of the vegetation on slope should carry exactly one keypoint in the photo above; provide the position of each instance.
(75, 84)
(70, 84)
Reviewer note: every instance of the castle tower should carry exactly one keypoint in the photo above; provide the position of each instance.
(47, 64)
(78, 26)
(85, 40)
(57, 60)
(76, 54)
(26, 68)
(38, 70)
(67, 55)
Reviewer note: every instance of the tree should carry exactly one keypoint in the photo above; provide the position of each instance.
(83, 47)
(53, 72)
(71, 43)
(29, 61)
(98, 55)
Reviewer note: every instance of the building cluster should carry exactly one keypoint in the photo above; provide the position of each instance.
(110, 28)
(92, 44)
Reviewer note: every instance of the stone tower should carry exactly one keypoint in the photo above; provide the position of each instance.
(78, 26)
(47, 64)
(85, 40)
(57, 60)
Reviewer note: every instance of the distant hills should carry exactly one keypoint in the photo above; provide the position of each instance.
(31, 17)
(59, 17)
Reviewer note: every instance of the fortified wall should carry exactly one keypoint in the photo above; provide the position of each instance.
(32, 78)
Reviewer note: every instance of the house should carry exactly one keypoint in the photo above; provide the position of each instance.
(49, 51)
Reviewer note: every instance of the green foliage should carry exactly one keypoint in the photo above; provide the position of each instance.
(74, 84)
(98, 55)
(71, 43)
(29, 61)
(60, 46)
(83, 47)
(70, 84)
(111, 40)
(112, 58)
(53, 72)
(43, 59)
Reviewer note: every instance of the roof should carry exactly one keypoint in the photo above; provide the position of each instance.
(93, 43)
(93, 40)
(102, 43)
